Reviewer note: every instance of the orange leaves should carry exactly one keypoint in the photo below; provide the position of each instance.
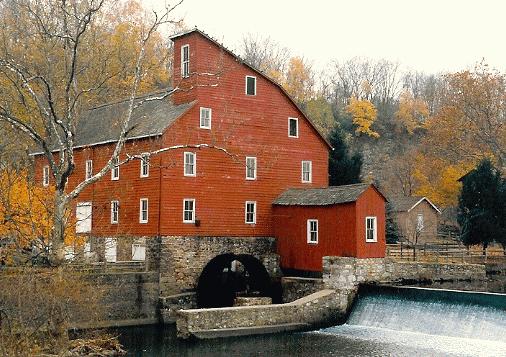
(412, 112)
(299, 80)
(363, 114)
(24, 210)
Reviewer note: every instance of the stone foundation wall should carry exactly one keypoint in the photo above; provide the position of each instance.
(348, 273)
(182, 259)
(295, 288)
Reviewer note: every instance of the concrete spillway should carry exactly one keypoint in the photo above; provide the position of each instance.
(435, 312)
(428, 321)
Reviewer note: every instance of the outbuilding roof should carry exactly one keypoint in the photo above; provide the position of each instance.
(322, 196)
(151, 117)
(406, 204)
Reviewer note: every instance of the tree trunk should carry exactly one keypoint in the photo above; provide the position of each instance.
(57, 254)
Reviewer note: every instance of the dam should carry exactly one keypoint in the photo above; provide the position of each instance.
(384, 320)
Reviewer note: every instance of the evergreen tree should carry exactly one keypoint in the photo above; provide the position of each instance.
(482, 206)
(344, 168)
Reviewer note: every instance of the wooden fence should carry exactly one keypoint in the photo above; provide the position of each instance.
(445, 253)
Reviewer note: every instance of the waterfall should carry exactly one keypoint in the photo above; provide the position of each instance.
(435, 312)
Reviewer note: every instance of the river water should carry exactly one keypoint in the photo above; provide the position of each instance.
(383, 322)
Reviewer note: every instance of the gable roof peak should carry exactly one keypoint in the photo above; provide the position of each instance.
(258, 71)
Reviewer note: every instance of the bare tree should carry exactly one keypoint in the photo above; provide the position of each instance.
(265, 54)
(51, 75)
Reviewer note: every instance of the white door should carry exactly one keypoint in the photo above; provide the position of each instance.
(83, 217)
(110, 250)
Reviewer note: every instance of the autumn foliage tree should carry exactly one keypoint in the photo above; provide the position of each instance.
(363, 114)
(412, 112)
(58, 59)
(471, 123)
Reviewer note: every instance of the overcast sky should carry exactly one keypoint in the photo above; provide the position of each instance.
(428, 35)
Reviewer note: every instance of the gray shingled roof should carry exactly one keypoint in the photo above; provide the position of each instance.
(404, 204)
(103, 124)
(321, 196)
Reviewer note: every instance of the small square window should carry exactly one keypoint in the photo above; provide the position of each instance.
(189, 210)
(143, 210)
(371, 229)
(251, 85)
(114, 212)
(185, 61)
(89, 169)
(250, 212)
(190, 164)
(145, 165)
(293, 127)
(205, 118)
(312, 231)
(45, 176)
(115, 170)
(251, 168)
(307, 171)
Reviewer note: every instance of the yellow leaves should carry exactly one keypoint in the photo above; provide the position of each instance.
(363, 114)
(299, 80)
(412, 112)
(438, 180)
(24, 213)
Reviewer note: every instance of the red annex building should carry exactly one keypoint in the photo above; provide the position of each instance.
(261, 145)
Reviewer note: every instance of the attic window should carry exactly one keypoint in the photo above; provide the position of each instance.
(185, 61)
(293, 127)
(251, 85)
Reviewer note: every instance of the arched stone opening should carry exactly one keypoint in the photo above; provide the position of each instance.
(229, 275)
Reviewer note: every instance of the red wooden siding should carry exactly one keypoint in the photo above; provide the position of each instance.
(370, 203)
(243, 125)
(341, 230)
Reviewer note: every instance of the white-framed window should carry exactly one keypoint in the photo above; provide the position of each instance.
(190, 164)
(87, 250)
(250, 212)
(114, 212)
(115, 169)
(185, 61)
(189, 210)
(307, 174)
(251, 168)
(205, 117)
(139, 250)
(83, 217)
(45, 176)
(293, 127)
(371, 229)
(89, 169)
(419, 222)
(143, 210)
(251, 85)
(145, 165)
(312, 231)
(111, 250)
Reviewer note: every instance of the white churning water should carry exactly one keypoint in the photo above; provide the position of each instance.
(450, 325)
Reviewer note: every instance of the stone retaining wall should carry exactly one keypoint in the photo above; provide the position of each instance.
(322, 308)
(128, 298)
(348, 273)
(295, 288)
(182, 259)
